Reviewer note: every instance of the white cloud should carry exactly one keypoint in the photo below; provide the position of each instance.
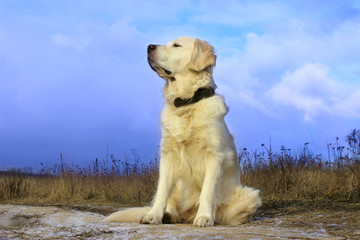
(238, 86)
(233, 71)
(350, 106)
(296, 42)
(328, 87)
(249, 98)
(308, 89)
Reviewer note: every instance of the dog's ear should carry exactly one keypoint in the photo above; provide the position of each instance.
(203, 56)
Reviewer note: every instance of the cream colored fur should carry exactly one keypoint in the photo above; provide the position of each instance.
(199, 179)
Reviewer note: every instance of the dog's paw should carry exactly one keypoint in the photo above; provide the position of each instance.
(204, 221)
(150, 219)
(171, 218)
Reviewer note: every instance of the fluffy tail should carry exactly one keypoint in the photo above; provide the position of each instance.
(240, 207)
(127, 215)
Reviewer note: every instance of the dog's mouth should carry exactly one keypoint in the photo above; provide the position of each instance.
(167, 72)
(156, 67)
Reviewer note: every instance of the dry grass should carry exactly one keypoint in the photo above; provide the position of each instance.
(76, 189)
(303, 176)
(125, 183)
(281, 176)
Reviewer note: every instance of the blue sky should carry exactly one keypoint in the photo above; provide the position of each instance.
(74, 77)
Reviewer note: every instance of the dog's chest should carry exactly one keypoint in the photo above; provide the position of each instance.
(181, 128)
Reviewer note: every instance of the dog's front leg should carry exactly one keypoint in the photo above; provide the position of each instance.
(165, 185)
(205, 215)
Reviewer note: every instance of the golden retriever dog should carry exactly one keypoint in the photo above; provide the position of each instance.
(199, 180)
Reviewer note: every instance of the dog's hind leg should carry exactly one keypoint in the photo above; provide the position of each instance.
(239, 207)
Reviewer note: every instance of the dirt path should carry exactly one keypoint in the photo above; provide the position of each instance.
(30, 222)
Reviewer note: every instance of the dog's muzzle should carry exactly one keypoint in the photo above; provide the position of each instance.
(150, 50)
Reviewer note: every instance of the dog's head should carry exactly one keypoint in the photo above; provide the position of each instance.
(182, 60)
(179, 56)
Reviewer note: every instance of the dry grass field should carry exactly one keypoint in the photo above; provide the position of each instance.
(281, 176)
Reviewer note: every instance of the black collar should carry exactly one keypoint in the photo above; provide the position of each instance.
(201, 93)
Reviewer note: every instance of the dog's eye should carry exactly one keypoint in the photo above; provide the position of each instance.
(176, 45)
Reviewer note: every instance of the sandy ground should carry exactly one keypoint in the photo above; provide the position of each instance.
(33, 222)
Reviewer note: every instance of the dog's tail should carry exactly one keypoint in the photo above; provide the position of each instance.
(127, 215)
(240, 207)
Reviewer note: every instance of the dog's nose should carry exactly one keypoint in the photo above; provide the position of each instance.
(151, 47)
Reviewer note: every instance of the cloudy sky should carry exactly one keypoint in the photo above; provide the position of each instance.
(74, 77)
